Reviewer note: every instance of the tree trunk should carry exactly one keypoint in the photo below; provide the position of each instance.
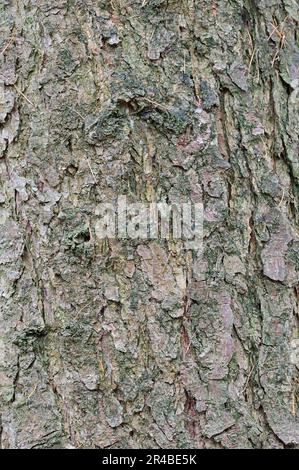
(129, 343)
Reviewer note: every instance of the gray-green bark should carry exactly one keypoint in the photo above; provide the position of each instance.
(136, 343)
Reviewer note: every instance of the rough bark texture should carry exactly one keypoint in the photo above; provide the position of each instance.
(137, 343)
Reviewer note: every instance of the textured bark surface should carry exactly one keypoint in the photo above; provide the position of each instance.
(139, 344)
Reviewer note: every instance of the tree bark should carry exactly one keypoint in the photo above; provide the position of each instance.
(138, 343)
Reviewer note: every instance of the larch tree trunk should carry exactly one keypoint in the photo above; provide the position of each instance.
(126, 343)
